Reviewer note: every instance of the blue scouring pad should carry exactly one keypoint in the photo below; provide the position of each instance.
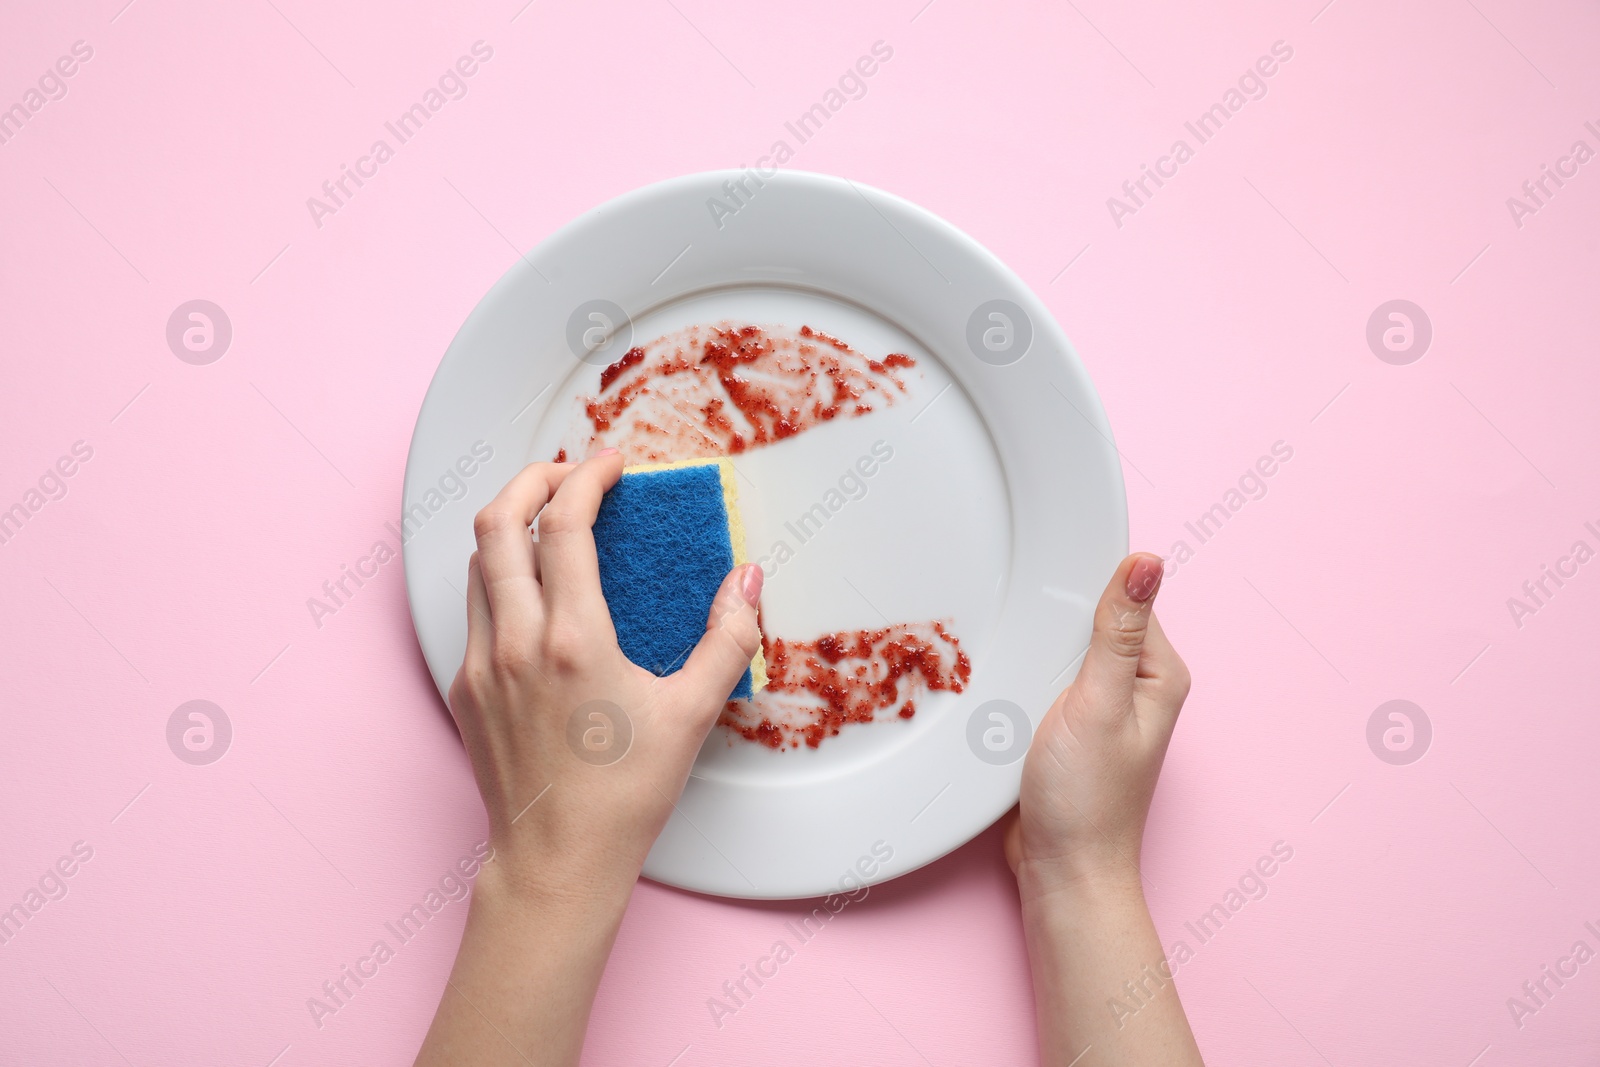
(667, 534)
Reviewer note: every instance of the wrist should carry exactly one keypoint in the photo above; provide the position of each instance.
(577, 888)
(1047, 884)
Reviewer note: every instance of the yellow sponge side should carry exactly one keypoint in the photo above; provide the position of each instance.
(730, 504)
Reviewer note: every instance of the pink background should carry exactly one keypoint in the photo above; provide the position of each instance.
(1227, 314)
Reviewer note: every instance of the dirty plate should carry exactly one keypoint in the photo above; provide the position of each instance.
(962, 499)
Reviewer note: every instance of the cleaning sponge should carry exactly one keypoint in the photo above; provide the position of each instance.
(667, 534)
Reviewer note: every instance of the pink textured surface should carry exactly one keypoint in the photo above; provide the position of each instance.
(1226, 314)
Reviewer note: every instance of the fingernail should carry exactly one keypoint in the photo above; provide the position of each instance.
(750, 584)
(1144, 578)
(606, 452)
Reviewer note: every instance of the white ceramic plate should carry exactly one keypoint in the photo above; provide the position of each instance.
(1001, 511)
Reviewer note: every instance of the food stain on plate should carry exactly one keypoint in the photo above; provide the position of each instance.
(815, 688)
(720, 389)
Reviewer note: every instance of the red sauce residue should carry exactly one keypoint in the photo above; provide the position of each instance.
(718, 390)
(632, 357)
(561, 455)
(814, 688)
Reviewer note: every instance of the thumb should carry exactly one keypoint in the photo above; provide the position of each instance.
(1121, 621)
(731, 640)
(1011, 839)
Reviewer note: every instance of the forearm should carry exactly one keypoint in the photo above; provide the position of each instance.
(527, 970)
(1093, 946)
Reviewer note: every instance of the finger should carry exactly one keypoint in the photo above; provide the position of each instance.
(505, 550)
(1121, 624)
(724, 652)
(569, 567)
(1011, 839)
(480, 624)
(480, 632)
(1163, 673)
